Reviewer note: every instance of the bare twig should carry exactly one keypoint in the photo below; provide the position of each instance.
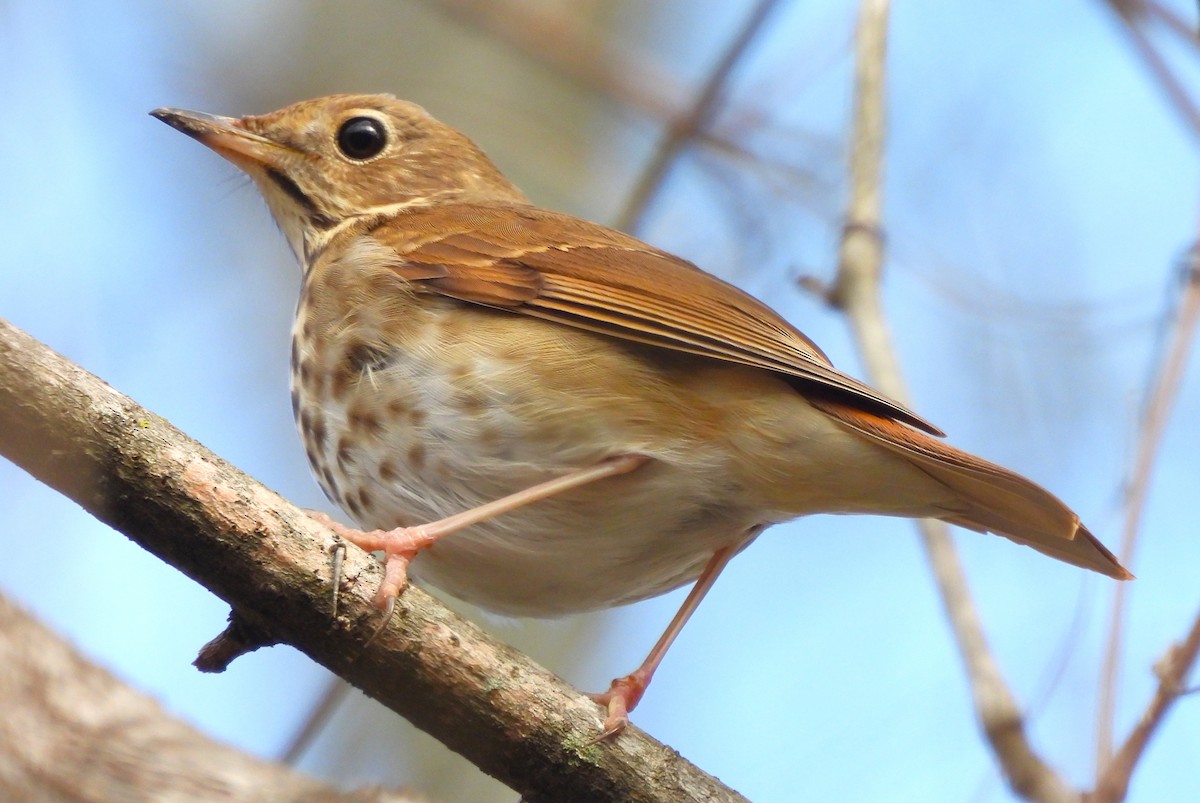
(1160, 401)
(1173, 21)
(685, 127)
(1136, 11)
(1128, 9)
(1172, 670)
(133, 470)
(559, 40)
(563, 43)
(856, 291)
(335, 692)
(1176, 94)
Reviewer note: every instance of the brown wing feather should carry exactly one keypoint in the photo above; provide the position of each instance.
(553, 266)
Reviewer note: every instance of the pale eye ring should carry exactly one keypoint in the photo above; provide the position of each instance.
(362, 138)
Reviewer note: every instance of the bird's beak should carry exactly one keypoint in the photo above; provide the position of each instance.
(226, 136)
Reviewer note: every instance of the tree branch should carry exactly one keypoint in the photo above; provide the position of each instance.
(1172, 670)
(556, 38)
(72, 731)
(1161, 395)
(1164, 77)
(1160, 399)
(685, 127)
(856, 292)
(131, 469)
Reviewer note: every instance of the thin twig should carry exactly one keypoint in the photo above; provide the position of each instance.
(1173, 670)
(557, 39)
(1162, 74)
(1160, 401)
(1173, 21)
(335, 692)
(563, 43)
(856, 292)
(685, 127)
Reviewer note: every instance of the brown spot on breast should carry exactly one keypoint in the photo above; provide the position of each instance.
(352, 506)
(330, 482)
(416, 416)
(339, 381)
(396, 407)
(361, 356)
(453, 327)
(387, 471)
(489, 437)
(319, 434)
(363, 421)
(416, 455)
(344, 455)
(364, 499)
(471, 403)
(305, 372)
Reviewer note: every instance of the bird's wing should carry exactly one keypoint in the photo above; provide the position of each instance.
(581, 274)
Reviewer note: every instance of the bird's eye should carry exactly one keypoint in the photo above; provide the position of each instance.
(362, 137)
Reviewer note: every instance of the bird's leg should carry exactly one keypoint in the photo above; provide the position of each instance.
(626, 692)
(402, 544)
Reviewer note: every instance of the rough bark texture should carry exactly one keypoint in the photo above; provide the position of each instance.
(131, 469)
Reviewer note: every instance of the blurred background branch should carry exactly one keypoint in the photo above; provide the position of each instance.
(856, 291)
(73, 731)
(685, 127)
(1161, 396)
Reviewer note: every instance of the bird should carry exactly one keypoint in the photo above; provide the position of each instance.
(542, 415)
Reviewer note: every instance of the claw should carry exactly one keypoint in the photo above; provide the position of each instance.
(389, 608)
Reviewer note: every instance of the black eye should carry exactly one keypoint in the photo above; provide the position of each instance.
(362, 137)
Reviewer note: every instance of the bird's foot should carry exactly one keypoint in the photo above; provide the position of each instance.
(399, 547)
(622, 697)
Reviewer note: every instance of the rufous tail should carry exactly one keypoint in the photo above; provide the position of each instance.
(993, 498)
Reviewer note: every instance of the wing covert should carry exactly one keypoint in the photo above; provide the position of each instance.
(564, 269)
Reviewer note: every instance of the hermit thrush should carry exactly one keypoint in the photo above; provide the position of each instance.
(552, 416)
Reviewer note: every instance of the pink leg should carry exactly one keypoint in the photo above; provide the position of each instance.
(626, 692)
(402, 544)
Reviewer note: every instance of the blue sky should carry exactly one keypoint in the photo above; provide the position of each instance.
(1039, 195)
